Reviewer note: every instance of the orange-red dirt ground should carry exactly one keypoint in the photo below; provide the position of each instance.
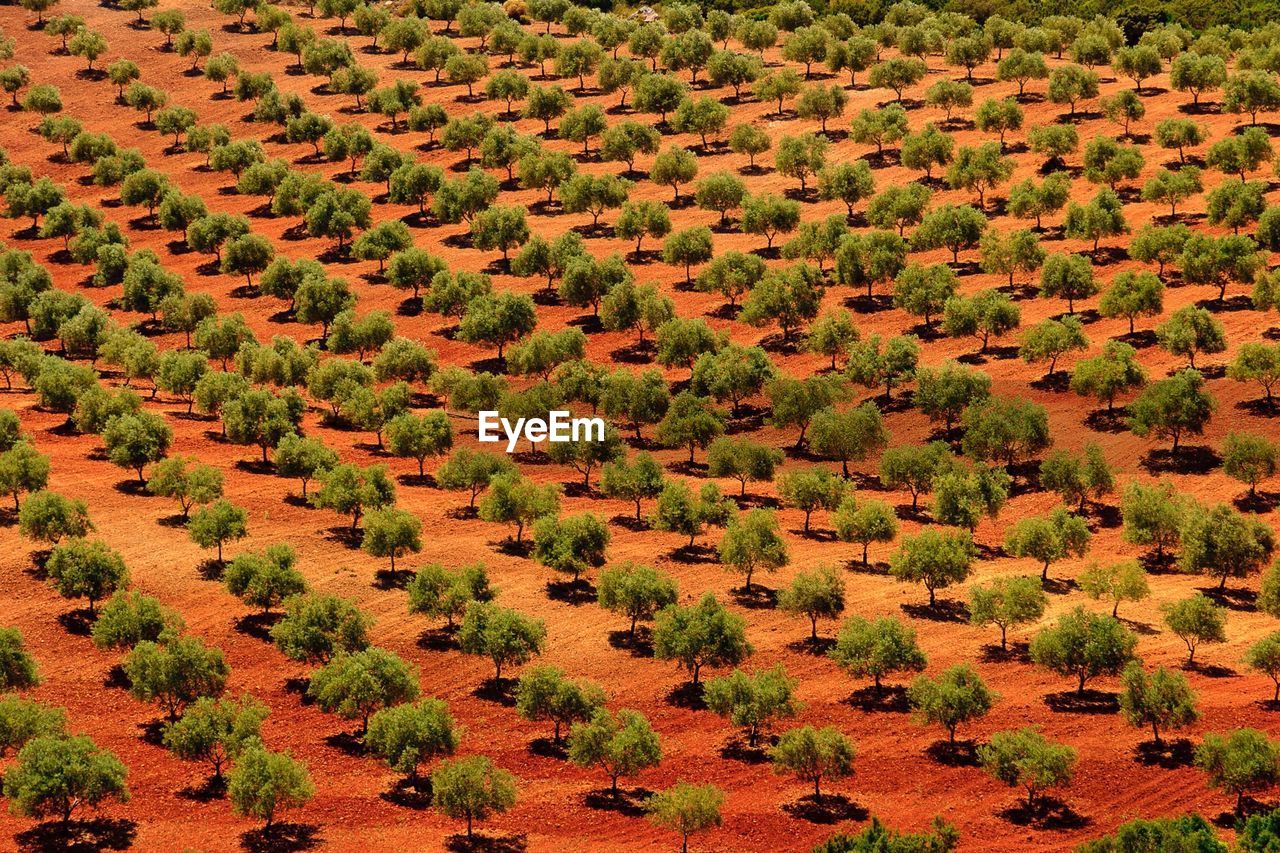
(896, 779)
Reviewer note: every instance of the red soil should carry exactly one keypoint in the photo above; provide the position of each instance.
(895, 778)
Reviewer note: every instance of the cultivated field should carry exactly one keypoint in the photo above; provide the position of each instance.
(903, 772)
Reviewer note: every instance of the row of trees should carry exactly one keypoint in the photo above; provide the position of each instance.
(751, 540)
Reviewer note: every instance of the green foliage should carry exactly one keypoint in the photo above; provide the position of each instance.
(216, 731)
(23, 720)
(350, 490)
(18, 670)
(357, 684)
(1162, 700)
(1196, 620)
(635, 591)
(1084, 645)
(175, 671)
(1004, 429)
(876, 648)
(817, 594)
(504, 636)
(265, 579)
(877, 838)
(472, 788)
(404, 736)
(1007, 602)
(543, 693)
(572, 544)
(1221, 542)
(130, 617)
(1240, 761)
(49, 517)
(317, 627)
(703, 634)
(620, 745)
(813, 755)
(686, 808)
(958, 695)
(1188, 832)
(55, 775)
(1116, 582)
(934, 558)
(1050, 538)
(218, 523)
(1026, 758)
(262, 783)
(81, 568)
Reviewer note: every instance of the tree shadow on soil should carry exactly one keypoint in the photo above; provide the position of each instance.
(1248, 806)
(211, 569)
(888, 699)
(1259, 502)
(1013, 653)
(500, 690)
(1168, 754)
(1243, 600)
(757, 598)
(206, 792)
(576, 593)
(944, 610)
(385, 579)
(816, 646)
(257, 625)
(962, 753)
(880, 568)
(282, 838)
(739, 750)
(1210, 670)
(687, 695)
(412, 792)
(1108, 421)
(690, 554)
(116, 678)
(1088, 702)
(625, 802)
(486, 844)
(347, 743)
(77, 622)
(548, 748)
(640, 646)
(438, 640)
(827, 809)
(1048, 813)
(79, 836)
(1196, 459)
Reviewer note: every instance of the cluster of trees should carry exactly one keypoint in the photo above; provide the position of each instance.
(362, 375)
